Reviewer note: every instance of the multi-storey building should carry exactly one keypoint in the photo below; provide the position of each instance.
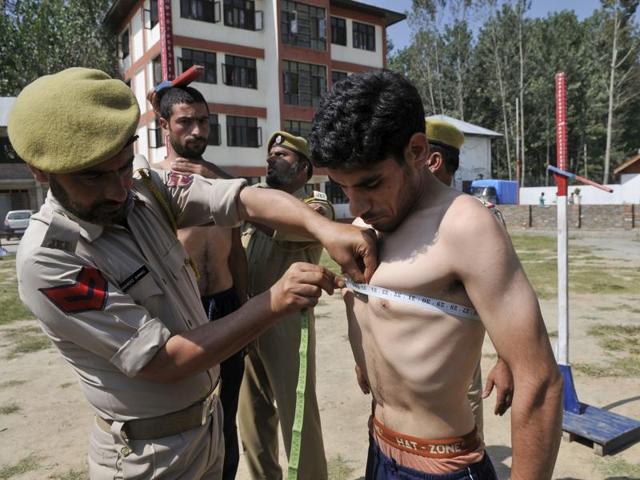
(267, 63)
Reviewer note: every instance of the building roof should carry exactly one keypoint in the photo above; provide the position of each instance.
(633, 165)
(390, 16)
(466, 127)
(5, 106)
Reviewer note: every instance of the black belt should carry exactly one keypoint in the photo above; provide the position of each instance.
(165, 425)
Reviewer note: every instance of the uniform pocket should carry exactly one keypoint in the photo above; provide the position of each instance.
(143, 289)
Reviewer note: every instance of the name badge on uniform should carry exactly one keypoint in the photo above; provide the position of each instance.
(134, 278)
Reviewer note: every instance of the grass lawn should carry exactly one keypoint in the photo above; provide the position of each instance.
(11, 308)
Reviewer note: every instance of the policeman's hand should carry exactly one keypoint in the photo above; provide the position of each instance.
(500, 376)
(362, 380)
(301, 286)
(354, 249)
(200, 167)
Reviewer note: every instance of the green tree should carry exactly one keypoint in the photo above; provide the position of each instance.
(40, 37)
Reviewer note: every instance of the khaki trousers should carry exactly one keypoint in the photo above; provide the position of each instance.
(268, 397)
(196, 454)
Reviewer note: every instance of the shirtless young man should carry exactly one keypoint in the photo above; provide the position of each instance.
(222, 269)
(439, 243)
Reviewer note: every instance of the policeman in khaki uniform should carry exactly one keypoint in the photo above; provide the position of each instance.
(445, 141)
(271, 366)
(101, 267)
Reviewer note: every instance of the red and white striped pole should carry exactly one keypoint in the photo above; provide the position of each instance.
(562, 224)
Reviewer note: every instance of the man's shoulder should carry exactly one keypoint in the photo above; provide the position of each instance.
(466, 217)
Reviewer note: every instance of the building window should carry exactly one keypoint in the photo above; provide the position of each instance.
(298, 128)
(242, 14)
(197, 57)
(337, 75)
(364, 36)
(334, 193)
(304, 83)
(240, 72)
(339, 31)
(156, 136)
(303, 25)
(214, 130)
(243, 132)
(203, 10)
(156, 68)
(153, 13)
(124, 44)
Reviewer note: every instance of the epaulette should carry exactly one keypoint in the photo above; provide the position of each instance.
(317, 195)
(62, 234)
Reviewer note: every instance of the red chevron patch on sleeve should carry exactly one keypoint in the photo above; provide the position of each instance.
(88, 293)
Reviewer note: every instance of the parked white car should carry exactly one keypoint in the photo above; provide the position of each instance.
(16, 222)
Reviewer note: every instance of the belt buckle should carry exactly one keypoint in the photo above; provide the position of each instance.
(207, 405)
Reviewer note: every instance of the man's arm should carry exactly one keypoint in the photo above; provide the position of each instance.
(199, 349)
(352, 248)
(487, 265)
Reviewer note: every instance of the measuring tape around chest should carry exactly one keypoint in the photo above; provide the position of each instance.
(432, 304)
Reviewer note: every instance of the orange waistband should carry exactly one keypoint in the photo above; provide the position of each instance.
(440, 448)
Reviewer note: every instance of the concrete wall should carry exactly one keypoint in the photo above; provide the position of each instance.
(585, 217)
(628, 192)
(475, 160)
(355, 55)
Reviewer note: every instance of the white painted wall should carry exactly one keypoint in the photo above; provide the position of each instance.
(218, 32)
(475, 159)
(355, 55)
(629, 192)
(153, 35)
(271, 74)
(221, 93)
(137, 33)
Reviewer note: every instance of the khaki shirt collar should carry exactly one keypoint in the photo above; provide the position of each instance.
(89, 231)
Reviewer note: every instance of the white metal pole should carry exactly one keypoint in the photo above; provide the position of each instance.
(563, 281)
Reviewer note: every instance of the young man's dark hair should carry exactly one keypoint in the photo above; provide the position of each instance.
(177, 95)
(450, 155)
(366, 118)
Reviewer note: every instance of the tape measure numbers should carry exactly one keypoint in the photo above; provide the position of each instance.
(296, 431)
(432, 304)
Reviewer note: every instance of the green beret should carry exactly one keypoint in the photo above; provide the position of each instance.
(286, 140)
(72, 120)
(443, 133)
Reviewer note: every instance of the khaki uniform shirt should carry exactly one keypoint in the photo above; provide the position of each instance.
(110, 297)
(269, 257)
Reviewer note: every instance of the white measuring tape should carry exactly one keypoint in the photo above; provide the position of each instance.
(425, 302)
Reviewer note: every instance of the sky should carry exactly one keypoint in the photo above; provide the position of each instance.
(400, 33)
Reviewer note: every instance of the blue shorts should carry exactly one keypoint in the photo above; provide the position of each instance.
(381, 467)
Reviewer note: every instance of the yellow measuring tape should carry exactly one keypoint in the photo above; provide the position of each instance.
(296, 432)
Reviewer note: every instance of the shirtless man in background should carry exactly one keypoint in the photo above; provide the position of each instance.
(438, 243)
(222, 270)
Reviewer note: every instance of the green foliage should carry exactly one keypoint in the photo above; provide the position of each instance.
(40, 37)
(465, 61)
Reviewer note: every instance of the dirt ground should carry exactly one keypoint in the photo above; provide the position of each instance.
(44, 419)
